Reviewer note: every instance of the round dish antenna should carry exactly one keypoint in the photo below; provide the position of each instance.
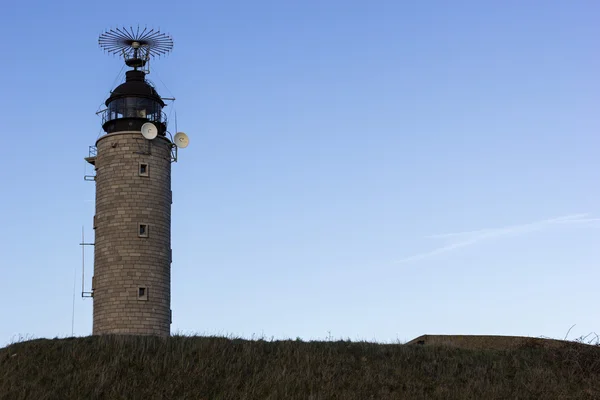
(136, 45)
(181, 140)
(149, 131)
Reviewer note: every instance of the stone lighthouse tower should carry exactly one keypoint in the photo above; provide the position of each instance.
(131, 286)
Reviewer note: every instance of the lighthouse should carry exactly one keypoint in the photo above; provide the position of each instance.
(131, 284)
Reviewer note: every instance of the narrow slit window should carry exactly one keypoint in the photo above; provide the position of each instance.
(143, 230)
(142, 293)
(143, 169)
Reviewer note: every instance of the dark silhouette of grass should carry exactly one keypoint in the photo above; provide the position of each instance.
(216, 368)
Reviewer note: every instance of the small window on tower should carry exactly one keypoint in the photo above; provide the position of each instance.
(143, 171)
(143, 230)
(142, 293)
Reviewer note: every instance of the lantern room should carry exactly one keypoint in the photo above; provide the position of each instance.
(132, 104)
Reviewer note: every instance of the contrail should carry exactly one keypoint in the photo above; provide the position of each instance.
(566, 219)
(469, 238)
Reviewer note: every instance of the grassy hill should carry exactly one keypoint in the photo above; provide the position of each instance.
(212, 368)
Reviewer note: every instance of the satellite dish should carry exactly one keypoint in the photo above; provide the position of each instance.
(181, 140)
(149, 130)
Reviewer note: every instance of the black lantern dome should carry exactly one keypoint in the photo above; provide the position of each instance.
(132, 104)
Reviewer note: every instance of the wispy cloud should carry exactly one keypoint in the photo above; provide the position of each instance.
(469, 238)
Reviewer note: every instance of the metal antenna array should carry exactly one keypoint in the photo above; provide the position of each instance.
(136, 46)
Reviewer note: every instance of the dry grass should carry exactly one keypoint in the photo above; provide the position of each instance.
(214, 368)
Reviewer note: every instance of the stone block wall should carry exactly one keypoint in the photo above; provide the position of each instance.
(132, 257)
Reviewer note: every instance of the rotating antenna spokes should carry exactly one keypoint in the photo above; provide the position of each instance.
(136, 46)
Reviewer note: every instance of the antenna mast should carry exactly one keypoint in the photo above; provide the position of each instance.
(135, 45)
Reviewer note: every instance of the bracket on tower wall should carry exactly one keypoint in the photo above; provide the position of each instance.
(92, 153)
(91, 159)
(83, 243)
(173, 153)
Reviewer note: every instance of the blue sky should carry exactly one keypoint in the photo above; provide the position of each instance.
(339, 152)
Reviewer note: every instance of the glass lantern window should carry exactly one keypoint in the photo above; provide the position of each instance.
(134, 107)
